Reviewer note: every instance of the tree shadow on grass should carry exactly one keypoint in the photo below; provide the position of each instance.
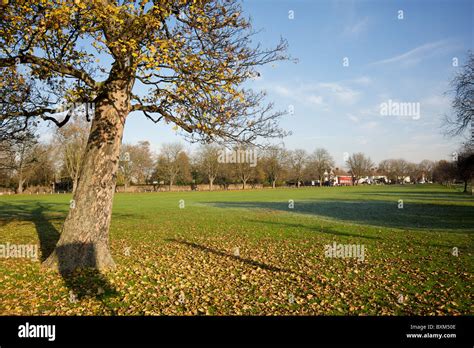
(85, 283)
(423, 243)
(376, 213)
(423, 195)
(303, 275)
(36, 213)
(318, 229)
(48, 235)
(224, 254)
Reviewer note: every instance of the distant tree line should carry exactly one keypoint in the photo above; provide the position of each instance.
(56, 164)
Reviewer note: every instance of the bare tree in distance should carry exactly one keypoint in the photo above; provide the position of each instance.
(168, 164)
(136, 163)
(463, 100)
(297, 164)
(359, 166)
(426, 167)
(72, 141)
(319, 162)
(463, 107)
(274, 163)
(207, 160)
(21, 158)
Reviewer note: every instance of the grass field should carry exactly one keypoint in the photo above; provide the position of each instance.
(174, 261)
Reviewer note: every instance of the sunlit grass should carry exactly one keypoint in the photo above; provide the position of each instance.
(182, 261)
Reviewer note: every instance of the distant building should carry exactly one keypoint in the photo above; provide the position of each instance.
(373, 179)
(343, 180)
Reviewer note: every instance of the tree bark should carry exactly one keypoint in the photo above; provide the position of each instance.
(211, 183)
(273, 183)
(84, 241)
(21, 182)
(74, 184)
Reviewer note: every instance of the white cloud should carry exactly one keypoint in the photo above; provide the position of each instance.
(419, 53)
(282, 90)
(342, 93)
(315, 99)
(369, 125)
(437, 102)
(368, 112)
(363, 81)
(353, 118)
(361, 140)
(357, 28)
(320, 94)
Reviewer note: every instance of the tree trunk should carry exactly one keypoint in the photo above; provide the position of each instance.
(243, 184)
(21, 182)
(74, 184)
(273, 183)
(465, 186)
(84, 241)
(211, 183)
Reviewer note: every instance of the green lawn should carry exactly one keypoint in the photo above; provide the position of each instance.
(182, 261)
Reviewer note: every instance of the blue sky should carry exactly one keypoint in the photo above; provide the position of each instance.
(338, 107)
(409, 60)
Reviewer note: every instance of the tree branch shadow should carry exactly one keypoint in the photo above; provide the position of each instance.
(380, 213)
(315, 228)
(224, 254)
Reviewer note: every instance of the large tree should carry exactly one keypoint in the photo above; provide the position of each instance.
(397, 170)
(170, 163)
(44, 169)
(463, 100)
(387, 168)
(20, 157)
(136, 163)
(320, 162)
(244, 169)
(177, 61)
(274, 161)
(401, 169)
(414, 172)
(359, 166)
(463, 108)
(297, 162)
(444, 172)
(207, 160)
(426, 167)
(465, 165)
